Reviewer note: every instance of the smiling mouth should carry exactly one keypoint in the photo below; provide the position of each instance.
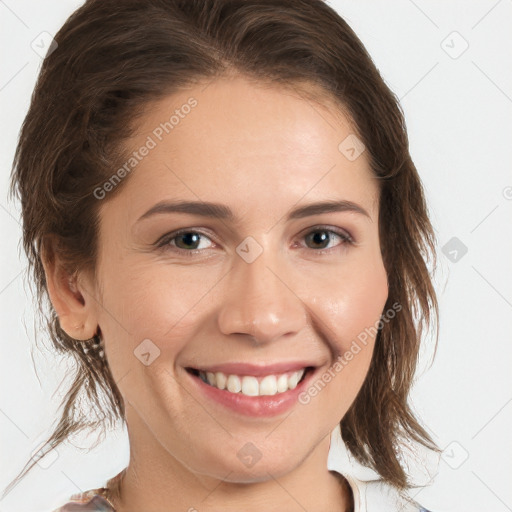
(248, 385)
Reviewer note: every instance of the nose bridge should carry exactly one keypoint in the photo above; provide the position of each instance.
(259, 301)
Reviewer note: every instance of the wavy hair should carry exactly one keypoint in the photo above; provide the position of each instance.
(112, 59)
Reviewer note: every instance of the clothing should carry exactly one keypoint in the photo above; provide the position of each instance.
(371, 494)
(89, 501)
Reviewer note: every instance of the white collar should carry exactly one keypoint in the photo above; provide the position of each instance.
(371, 493)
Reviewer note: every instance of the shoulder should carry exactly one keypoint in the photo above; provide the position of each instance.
(89, 501)
(371, 493)
(377, 495)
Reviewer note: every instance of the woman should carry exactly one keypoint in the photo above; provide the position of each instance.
(219, 202)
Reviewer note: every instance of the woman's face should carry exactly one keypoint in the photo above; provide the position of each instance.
(248, 283)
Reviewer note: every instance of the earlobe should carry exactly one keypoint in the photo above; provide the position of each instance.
(71, 302)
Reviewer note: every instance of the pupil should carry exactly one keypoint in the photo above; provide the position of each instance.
(188, 237)
(320, 237)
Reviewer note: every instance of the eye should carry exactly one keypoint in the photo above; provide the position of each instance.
(189, 242)
(322, 236)
(183, 241)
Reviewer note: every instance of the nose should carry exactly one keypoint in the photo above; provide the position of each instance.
(260, 301)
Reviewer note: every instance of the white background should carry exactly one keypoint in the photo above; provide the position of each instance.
(459, 115)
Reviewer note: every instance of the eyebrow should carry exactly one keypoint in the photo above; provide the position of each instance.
(223, 212)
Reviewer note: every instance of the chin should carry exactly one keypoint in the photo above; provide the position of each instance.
(260, 472)
(250, 465)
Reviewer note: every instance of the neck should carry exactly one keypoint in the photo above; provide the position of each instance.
(154, 480)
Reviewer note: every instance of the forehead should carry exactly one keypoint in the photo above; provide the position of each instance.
(245, 144)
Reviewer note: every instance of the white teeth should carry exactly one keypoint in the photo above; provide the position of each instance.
(268, 385)
(249, 385)
(233, 384)
(220, 380)
(293, 381)
(282, 384)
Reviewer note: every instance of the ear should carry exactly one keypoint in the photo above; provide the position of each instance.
(71, 295)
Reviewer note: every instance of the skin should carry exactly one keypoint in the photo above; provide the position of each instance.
(262, 151)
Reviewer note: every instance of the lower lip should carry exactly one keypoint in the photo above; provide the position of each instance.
(256, 406)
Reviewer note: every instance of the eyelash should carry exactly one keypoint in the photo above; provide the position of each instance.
(164, 242)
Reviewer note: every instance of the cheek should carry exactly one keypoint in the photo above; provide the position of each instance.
(351, 302)
(148, 320)
(348, 313)
(145, 300)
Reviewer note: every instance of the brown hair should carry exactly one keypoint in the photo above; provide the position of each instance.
(112, 59)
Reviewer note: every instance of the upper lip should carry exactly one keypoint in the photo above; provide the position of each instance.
(256, 370)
